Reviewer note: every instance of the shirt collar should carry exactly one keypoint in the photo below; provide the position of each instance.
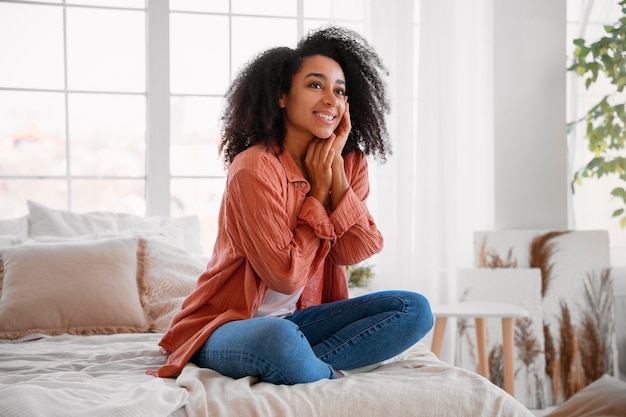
(291, 169)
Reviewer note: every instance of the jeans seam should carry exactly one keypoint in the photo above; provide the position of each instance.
(246, 355)
(382, 322)
(337, 312)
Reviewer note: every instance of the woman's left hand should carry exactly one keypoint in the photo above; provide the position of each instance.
(342, 131)
(340, 183)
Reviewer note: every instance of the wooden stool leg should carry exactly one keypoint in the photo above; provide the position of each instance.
(440, 328)
(481, 341)
(507, 353)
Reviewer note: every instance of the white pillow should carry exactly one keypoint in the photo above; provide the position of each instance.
(8, 241)
(190, 226)
(82, 287)
(15, 227)
(183, 231)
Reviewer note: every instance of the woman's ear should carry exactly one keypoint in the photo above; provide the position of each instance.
(281, 101)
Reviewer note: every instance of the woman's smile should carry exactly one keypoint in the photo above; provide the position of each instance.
(326, 116)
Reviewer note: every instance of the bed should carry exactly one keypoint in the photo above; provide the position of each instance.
(85, 298)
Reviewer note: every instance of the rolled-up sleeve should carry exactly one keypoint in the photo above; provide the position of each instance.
(358, 237)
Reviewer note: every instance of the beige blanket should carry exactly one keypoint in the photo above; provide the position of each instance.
(86, 376)
(414, 384)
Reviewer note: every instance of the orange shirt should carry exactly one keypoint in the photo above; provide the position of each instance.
(271, 235)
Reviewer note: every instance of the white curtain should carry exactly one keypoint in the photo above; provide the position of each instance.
(437, 187)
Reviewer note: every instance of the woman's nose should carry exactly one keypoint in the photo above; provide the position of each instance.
(331, 99)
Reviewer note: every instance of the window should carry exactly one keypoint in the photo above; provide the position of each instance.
(117, 106)
(72, 106)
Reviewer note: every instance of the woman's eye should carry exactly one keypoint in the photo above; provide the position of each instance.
(315, 85)
(341, 92)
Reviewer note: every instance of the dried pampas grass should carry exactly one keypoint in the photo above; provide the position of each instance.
(527, 344)
(566, 349)
(576, 379)
(540, 253)
(552, 362)
(597, 326)
(572, 378)
(528, 350)
(496, 366)
(492, 259)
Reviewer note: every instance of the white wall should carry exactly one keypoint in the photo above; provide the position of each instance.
(529, 114)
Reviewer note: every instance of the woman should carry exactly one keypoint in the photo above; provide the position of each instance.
(273, 302)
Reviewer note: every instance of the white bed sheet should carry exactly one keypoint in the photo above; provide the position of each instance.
(102, 375)
(105, 376)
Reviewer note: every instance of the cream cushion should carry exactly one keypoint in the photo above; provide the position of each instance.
(81, 287)
(605, 397)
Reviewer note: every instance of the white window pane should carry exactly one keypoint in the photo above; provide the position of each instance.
(15, 192)
(327, 9)
(32, 133)
(201, 197)
(246, 40)
(593, 206)
(575, 9)
(195, 130)
(131, 4)
(120, 196)
(31, 46)
(215, 6)
(607, 11)
(199, 54)
(107, 134)
(309, 25)
(266, 7)
(106, 50)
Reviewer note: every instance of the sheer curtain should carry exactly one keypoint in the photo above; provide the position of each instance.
(437, 187)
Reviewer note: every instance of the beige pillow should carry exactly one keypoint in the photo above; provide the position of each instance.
(83, 287)
(605, 397)
(171, 275)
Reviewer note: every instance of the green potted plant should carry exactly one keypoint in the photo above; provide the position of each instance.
(359, 276)
(606, 120)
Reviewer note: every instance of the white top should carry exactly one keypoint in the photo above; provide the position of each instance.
(479, 309)
(277, 304)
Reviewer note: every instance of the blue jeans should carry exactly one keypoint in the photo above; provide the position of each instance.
(312, 343)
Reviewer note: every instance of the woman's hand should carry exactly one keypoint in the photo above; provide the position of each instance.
(318, 163)
(342, 132)
(340, 183)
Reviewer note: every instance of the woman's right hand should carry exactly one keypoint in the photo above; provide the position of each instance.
(318, 164)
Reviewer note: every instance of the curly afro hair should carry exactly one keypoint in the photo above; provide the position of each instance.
(252, 114)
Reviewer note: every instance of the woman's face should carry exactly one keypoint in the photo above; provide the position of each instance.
(317, 99)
